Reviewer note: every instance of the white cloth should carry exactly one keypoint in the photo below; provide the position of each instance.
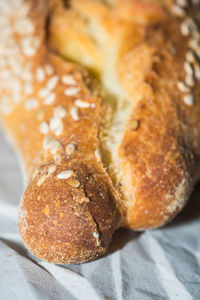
(158, 264)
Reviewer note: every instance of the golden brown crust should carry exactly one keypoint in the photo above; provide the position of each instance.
(162, 153)
(67, 214)
(157, 159)
(80, 189)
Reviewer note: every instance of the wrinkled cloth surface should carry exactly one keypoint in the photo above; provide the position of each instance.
(157, 264)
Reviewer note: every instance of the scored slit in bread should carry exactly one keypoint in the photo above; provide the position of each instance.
(134, 64)
(126, 156)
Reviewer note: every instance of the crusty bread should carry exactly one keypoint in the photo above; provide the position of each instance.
(118, 145)
(141, 51)
(67, 214)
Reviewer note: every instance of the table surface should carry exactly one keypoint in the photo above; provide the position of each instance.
(157, 264)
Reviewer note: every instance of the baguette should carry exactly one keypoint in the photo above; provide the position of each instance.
(115, 146)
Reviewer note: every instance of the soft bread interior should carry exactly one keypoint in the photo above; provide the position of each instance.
(99, 35)
(93, 41)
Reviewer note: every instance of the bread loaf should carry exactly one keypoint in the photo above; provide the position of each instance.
(102, 98)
